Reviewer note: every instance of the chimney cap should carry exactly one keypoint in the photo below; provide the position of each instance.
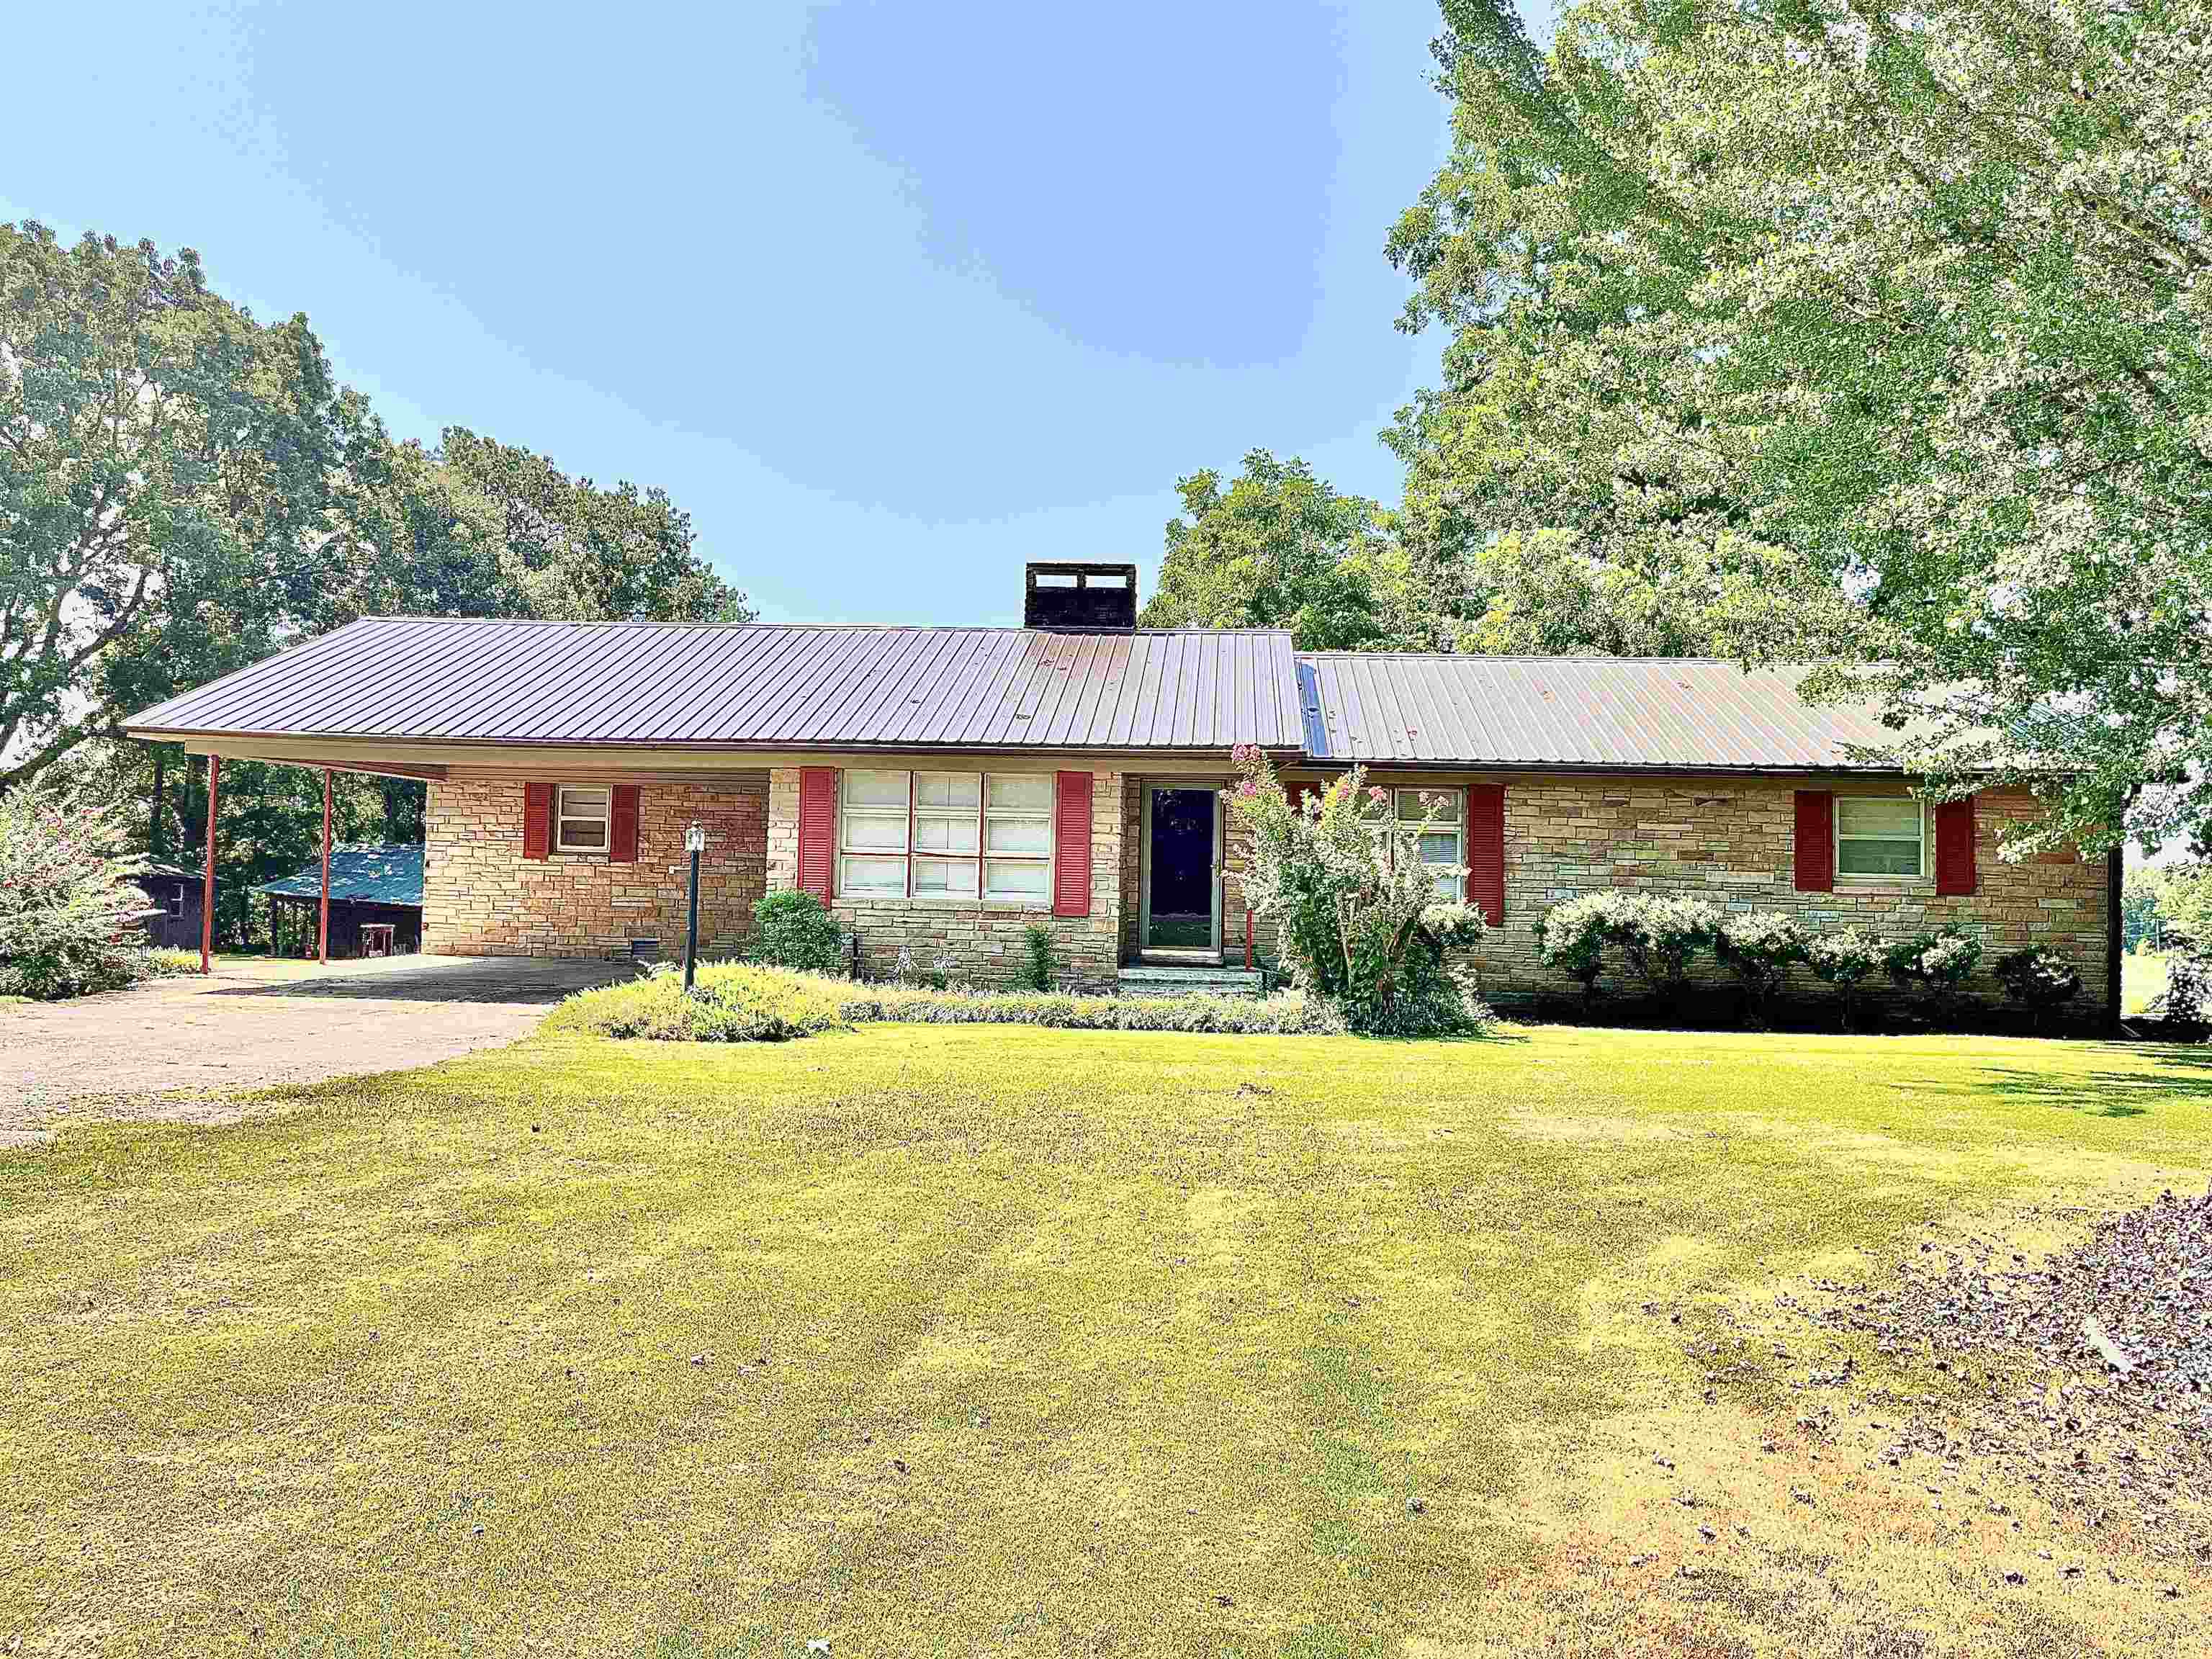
(1080, 594)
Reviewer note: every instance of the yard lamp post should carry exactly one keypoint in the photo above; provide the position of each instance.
(695, 842)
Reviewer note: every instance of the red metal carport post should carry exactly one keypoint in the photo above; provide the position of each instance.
(323, 948)
(207, 885)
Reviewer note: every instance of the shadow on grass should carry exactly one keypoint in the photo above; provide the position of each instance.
(2181, 1076)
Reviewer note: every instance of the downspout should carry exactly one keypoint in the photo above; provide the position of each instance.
(2114, 878)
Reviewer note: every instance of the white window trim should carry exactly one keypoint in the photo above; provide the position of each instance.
(1880, 878)
(1457, 830)
(983, 858)
(602, 814)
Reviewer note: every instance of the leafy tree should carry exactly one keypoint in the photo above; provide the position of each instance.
(1859, 333)
(1279, 548)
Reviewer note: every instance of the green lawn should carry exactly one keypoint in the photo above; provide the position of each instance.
(2142, 980)
(1021, 1342)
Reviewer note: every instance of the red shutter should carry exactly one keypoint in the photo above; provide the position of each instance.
(621, 825)
(1297, 793)
(536, 820)
(1954, 846)
(1816, 842)
(1485, 850)
(1071, 844)
(817, 829)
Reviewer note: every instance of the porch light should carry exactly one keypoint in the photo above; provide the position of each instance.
(695, 842)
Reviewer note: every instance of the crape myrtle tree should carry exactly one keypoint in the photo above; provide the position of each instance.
(1864, 335)
(185, 489)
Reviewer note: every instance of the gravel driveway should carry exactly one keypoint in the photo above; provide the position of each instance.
(173, 1047)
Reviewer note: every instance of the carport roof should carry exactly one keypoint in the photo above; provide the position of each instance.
(757, 685)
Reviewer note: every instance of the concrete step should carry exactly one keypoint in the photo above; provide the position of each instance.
(1146, 979)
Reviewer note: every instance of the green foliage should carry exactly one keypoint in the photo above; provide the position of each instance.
(1846, 959)
(1664, 937)
(1357, 908)
(2187, 998)
(65, 896)
(2041, 979)
(1938, 962)
(2140, 892)
(1856, 335)
(2184, 904)
(1279, 548)
(795, 930)
(1573, 936)
(731, 1002)
(1286, 1014)
(1038, 971)
(1759, 946)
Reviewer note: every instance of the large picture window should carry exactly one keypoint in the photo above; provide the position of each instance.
(1881, 836)
(945, 835)
(582, 815)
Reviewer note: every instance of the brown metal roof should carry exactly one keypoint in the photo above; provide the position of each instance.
(757, 685)
(1574, 711)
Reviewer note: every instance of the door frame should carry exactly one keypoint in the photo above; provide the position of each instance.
(1211, 952)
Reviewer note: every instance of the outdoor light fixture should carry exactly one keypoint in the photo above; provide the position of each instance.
(695, 842)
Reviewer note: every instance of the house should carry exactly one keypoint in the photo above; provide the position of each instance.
(942, 788)
(376, 902)
(171, 920)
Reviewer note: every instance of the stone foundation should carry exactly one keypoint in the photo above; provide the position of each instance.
(482, 898)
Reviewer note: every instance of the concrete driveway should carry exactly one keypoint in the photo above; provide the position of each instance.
(161, 1049)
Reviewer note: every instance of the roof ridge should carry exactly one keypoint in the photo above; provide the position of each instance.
(1527, 656)
(822, 627)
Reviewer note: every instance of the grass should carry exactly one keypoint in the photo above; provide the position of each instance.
(2142, 980)
(949, 1339)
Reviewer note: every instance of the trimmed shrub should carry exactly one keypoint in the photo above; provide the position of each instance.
(1571, 936)
(1285, 1013)
(2041, 979)
(1759, 946)
(1846, 959)
(732, 1002)
(795, 930)
(1662, 937)
(2187, 999)
(1037, 972)
(65, 896)
(1935, 963)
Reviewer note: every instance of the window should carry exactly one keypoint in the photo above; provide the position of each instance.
(945, 835)
(580, 818)
(1444, 843)
(1880, 835)
(177, 902)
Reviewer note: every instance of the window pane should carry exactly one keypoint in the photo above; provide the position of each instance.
(1440, 848)
(1446, 802)
(860, 875)
(945, 878)
(1021, 881)
(1021, 792)
(591, 833)
(947, 789)
(579, 799)
(945, 835)
(1897, 819)
(1019, 835)
(876, 789)
(1878, 858)
(869, 833)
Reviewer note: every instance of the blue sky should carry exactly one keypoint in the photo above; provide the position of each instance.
(890, 297)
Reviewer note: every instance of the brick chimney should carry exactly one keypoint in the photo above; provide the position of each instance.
(1096, 597)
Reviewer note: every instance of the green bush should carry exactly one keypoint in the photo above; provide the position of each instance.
(1759, 946)
(1038, 975)
(2042, 979)
(1846, 959)
(795, 930)
(1936, 963)
(732, 1002)
(65, 897)
(1662, 937)
(1571, 936)
(1285, 1013)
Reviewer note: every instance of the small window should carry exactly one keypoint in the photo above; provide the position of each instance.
(176, 901)
(1880, 835)
(583, 813)
(1018, 836)
(871, 833)
(1443, 843)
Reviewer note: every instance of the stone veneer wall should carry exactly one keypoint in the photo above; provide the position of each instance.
(1732, 841)
(482, 898)
(986, 940)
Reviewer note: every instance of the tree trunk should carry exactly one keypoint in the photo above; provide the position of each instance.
(154, 825)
